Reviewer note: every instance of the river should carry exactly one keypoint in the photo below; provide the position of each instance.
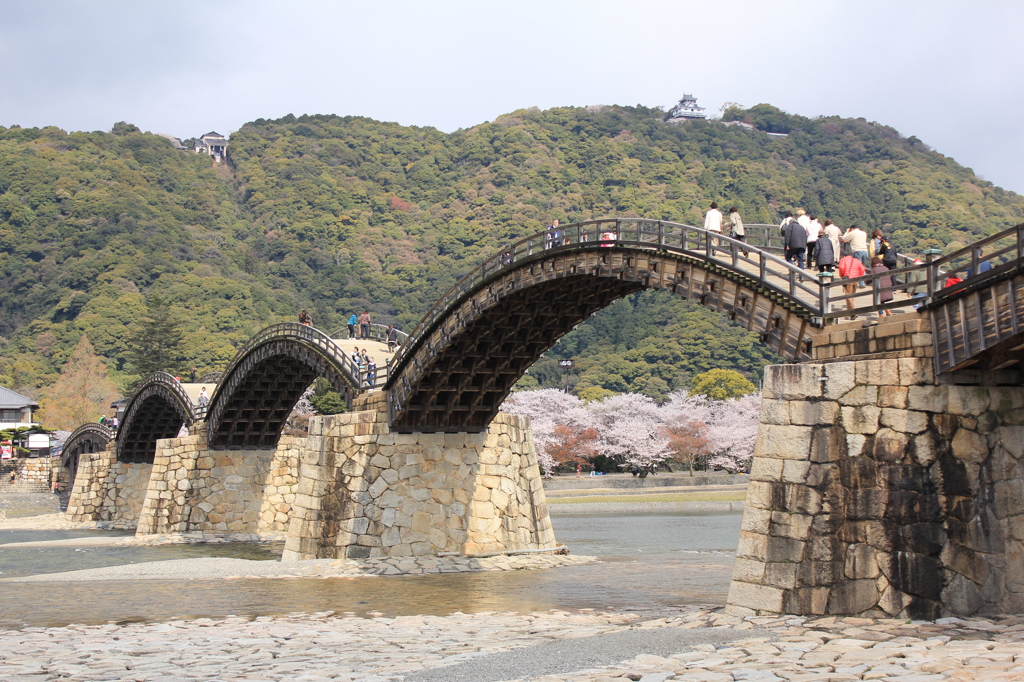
(648, 562)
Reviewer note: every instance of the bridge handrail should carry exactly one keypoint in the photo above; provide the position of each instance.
(936, 270)
(317, 339)
(171, 383)
(378, 332)
(89, 427)
(657, 235)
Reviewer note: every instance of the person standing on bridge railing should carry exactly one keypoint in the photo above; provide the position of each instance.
(850, 267)
(713, 222)
(739, 233)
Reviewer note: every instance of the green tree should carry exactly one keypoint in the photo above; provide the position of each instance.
(722, 384)
(155, 344)
(325, 400)
(83, 392)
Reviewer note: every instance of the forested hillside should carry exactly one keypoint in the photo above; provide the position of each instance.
(338, 214)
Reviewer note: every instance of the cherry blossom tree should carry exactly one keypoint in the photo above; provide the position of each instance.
(630, 427)
(636, 432)
(546, 409)
(734, 432)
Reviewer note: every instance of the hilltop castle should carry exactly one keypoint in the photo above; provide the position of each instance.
(686, 110)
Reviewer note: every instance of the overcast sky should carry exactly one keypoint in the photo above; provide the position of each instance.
(949, 72)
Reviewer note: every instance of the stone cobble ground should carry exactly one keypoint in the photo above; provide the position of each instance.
(328, 646)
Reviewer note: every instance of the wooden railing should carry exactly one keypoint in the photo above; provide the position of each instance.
(101, 430)
(378, 332)
(751, 260)
(357, 374)
(756, 258)
(976, 265)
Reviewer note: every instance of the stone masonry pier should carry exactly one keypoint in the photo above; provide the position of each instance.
(367, 492)
(878, 488)
(351, 489)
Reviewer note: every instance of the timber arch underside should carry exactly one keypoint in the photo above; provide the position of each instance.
(251, 406)
(462, 371)
(153, 414)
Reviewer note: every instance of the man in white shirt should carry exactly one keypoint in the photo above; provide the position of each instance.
(813, 232)
(713, 222)
(858, 241)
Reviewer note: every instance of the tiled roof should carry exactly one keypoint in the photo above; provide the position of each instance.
(11, 400)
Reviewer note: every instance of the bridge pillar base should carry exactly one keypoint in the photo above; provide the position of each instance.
(108, 490)
(877, 490)
(367, 492)
(219, 492)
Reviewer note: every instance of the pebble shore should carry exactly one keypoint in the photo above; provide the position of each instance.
(329, 646)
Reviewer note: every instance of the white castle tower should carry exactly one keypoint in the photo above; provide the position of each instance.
(686, 110)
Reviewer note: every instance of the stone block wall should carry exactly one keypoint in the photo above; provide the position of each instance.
(905, 335)
(31, 474)
(367, 492)
(218, 492)
(108, 490)
(877, 490)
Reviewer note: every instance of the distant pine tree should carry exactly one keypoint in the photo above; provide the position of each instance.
(156, 342)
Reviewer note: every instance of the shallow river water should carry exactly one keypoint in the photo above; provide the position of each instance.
(648, 561)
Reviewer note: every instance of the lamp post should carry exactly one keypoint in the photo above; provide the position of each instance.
(566, 365)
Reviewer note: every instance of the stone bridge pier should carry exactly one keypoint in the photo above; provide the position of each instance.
(878, 488)
(367, 492)
(351, 489)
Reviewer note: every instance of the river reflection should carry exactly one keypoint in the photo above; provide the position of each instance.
(649, 561)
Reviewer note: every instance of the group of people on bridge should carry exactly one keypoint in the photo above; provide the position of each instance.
(809, 242)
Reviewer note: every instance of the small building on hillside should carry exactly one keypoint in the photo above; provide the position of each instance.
(212, 144)
(686, 110)
(15, 409)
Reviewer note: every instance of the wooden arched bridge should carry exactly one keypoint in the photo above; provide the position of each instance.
(458, 365)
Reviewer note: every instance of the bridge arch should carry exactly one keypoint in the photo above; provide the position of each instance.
(267, 377)
(86, 439)
(465, 355)
(158, 408)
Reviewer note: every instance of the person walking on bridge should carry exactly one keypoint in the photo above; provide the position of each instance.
(364, 325)
(553, 237)
(858, 241)
(713, 222)
(813, 234)
(831, 231)
(203, 399)
(739, 232)
(305, 318)
(392, 338)
(795, 237)
(825, 257)
(353, 320)
(850, 267)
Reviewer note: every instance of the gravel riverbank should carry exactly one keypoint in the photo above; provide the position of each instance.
(695, 645)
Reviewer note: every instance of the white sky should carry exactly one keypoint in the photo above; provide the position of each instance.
(947, 71)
